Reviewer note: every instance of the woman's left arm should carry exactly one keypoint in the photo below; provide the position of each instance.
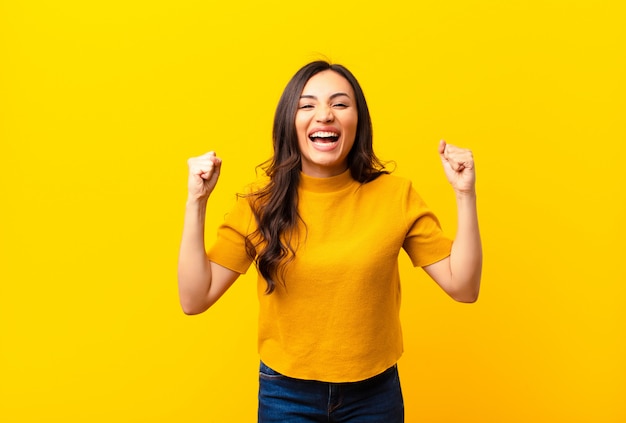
(459, 274)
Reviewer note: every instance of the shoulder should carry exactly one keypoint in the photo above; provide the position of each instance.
(258, 185)
(395, 189)
(391, 182)
(251, 193)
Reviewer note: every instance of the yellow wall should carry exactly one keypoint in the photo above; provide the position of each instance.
(102, 102)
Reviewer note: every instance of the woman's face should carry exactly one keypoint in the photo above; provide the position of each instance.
(326, 123)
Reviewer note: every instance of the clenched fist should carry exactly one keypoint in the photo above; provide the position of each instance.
(203, 174)
(458, 164)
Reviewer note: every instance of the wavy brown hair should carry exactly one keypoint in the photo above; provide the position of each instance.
(275, 206)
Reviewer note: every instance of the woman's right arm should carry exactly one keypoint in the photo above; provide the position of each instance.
(200, 281)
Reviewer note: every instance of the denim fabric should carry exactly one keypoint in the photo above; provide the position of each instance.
(284, 399)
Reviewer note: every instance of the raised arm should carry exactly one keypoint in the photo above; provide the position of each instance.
(200, 281)
(459, 274)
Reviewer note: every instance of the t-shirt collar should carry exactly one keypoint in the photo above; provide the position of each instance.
(329, 184)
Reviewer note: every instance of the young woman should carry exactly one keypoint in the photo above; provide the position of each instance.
(324, 233)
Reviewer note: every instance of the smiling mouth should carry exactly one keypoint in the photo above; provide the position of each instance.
(324, 137)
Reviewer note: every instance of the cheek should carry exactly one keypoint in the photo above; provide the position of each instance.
(352, 127)
(353, 121)
(301, 124)
(303, 140)
(300, 129)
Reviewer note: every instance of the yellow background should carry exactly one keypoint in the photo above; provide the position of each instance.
(102, 102)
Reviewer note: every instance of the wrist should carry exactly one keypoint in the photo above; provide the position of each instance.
(465, 195)
(196, 202)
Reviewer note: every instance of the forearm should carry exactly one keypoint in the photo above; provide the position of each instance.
(194, 270)
(466, 255)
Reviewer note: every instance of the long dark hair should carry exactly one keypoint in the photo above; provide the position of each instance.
(275, 206)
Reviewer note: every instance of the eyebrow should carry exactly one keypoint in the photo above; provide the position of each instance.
(331, 97)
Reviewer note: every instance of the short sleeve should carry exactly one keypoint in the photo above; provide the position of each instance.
(425, 241)
(229, 250)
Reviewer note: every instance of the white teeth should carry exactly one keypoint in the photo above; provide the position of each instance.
(323, 134)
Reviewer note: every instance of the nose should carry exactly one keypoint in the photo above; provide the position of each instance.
(324, 114)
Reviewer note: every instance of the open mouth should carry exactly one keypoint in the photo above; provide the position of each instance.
(324, 137)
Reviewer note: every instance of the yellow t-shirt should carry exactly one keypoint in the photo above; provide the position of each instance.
(336, 319)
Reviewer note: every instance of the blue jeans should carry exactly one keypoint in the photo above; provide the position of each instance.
(284, 399)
